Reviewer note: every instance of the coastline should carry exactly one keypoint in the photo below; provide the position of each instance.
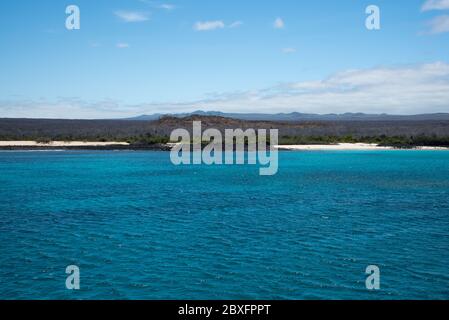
(98, 145)
(78, 145)
(333, 147)
(350, 147)
(60, 144)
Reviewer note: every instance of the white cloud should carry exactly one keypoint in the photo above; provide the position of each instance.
(235, 24)
(278, 23)
(401, 90)
(288, 50)
(213, 25)
(122, 45)
(435, 5)
(158, 5)
(208, 25)
(132, 16)
(166, 6)
(439, 24)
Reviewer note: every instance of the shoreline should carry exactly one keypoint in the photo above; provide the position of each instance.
(333, 147)
(60, 144)
(78, 145)
(350, 147)
(97, 145)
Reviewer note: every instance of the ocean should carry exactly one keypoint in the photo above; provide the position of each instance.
(139, 227)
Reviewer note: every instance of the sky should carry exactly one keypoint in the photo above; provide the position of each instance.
(133, 57)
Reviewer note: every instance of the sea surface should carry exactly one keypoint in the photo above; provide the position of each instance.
(139, 227)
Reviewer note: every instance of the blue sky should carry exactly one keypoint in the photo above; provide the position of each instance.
(141, 56)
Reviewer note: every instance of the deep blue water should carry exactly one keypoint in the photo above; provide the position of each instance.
(140, 228)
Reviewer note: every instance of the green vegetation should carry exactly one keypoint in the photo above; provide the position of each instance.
(382, 140)
(144, 139)
(148, 139)
(43, 140)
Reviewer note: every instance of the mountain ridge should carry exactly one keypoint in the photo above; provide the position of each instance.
(297, 116)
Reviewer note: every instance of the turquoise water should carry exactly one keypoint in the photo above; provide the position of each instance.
(140, 228)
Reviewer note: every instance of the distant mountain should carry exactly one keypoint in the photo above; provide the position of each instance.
(296, 116)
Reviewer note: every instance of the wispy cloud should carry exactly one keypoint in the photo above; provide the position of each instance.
(439, 24)
(288, 50)
(208, 25)
(159, 5)
(66, 108)
(166, 6)
(132, 16)
(214, 25)
(435, 5)
(278, 23)
(122, 45)
(236, 24)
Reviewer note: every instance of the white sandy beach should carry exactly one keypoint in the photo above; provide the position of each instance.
(308, 147)
(346, 146)
(330, 147)
(60, 144)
